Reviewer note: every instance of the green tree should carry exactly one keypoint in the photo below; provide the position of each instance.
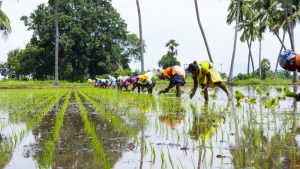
(93, 39)
(172, 45)
(169, 59)
(265, 67)
(4, 22)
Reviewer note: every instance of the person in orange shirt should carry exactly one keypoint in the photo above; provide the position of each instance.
(176, 76)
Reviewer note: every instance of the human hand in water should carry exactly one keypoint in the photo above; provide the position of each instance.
(192, 95)
(161, 91)
(297, 97)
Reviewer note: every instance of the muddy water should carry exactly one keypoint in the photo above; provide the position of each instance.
(167, 132)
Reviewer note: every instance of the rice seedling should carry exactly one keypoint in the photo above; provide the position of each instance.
(116, 121)
(288, 92)
(271, 104)
(252, 100)
(162, 157)
(170, 159)
(90, 130)
(213, 95)
(153, 154)
(278, 89)
(258, 90)
(238, 96)
(50, 144)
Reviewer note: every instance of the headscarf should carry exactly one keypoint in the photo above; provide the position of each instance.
(286, 56)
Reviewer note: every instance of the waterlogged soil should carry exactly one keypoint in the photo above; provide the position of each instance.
(161, 131)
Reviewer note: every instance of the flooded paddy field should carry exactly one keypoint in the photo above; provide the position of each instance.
(97, 128)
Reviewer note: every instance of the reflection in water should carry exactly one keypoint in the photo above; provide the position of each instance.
(252, 136)
(205, 125)
(172, 112)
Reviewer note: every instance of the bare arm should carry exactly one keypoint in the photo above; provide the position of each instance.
(195, 87)
(171, 85)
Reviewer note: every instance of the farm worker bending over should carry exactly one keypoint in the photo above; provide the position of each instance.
(133, 80)
(290, 61)
(176, 76)
(119, 82)
(125, 83)
(205, 75)
(146, 81)
(112, 81)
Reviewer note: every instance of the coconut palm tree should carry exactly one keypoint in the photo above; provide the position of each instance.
(4, 22)
(234, 13)
(141, 36)
(54, 3)
(250, 33)
(202, 31)
(271, 17)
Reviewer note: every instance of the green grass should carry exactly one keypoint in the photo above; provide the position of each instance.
(188, 80)
(33, 83)
(266, 81)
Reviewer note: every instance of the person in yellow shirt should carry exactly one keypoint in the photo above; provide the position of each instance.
(146, 81)
(205, 75)
(176, 76)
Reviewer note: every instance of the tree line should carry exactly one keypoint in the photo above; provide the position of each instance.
(93, 38)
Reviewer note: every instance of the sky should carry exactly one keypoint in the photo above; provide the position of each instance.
(163, 20)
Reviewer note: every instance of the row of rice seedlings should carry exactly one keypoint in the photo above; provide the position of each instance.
(118, 123)
(111, 102)
(17, 137)
(31, 107)
(50, 144)
(30, 97)
(90, 130)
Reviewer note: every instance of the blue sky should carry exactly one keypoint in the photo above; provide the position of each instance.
(164, 20)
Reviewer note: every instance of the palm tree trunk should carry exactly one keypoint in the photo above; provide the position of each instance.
(259, 59)
(234, 45)
(282, 43)
(248, 63)
(56, 43)
(250, 57)
(290, 32)
(295, 74)
(141, 37)
(202, 31)
(275, 71)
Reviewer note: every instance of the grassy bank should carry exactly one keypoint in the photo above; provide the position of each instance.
(46, 83)
(189, 81)
(252, 81)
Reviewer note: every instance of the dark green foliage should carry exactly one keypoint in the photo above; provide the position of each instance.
(93, 40)
(265, 67)
(169, 59)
